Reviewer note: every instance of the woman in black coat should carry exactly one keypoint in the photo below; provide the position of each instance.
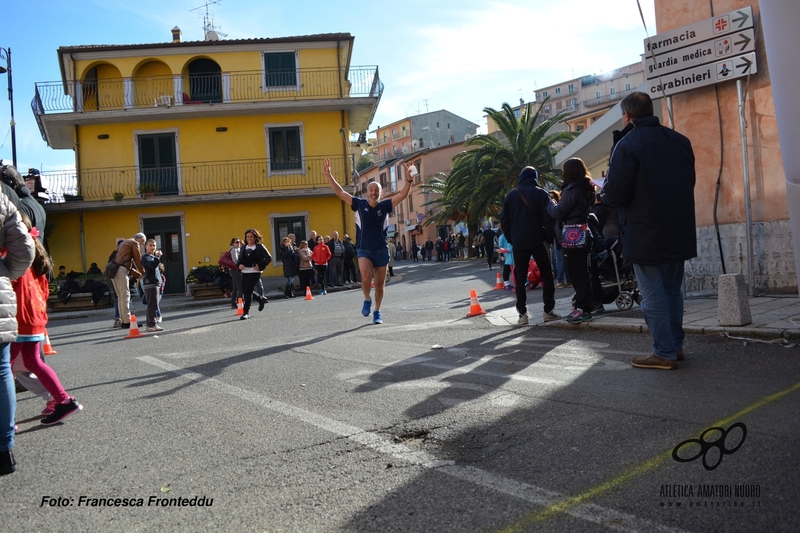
(577, 196)
(290, 265)
(253, 258)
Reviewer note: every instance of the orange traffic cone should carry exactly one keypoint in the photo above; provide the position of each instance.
(48, 348)
(498, 286)
(308, 294)
(134, 332)
(475, 308)
(239, 308)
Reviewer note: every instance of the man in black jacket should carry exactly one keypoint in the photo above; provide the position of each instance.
(529, 229)
(651, 179)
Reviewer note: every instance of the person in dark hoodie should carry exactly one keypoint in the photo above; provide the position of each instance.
(652, 170)
(23, 199)
(528, 227)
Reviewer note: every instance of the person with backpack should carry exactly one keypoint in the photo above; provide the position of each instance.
(129, 265)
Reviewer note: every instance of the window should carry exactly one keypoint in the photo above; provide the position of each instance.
(383, 179)
(280, 69)
(558, 90)
(573, 103)
(421, 142)
(627, 87)
(544, 95)
(597, 94)
(612, 90)
(558, 105)
(410, 203)
(571, 88)
(158, 164)
(448, 125)
(418, 164)
(580, 127)
(284, 149)
(546, 108)
(393, 178)
(516, 113)
(283, 226)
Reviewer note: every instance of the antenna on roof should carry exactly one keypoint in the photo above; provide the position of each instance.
(210, 32)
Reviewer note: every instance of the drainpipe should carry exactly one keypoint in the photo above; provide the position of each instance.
(346, 156)
(779, 24)
(78, 160)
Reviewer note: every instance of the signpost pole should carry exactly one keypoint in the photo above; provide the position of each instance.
(748, 218)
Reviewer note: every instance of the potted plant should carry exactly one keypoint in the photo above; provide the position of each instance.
(118, 196)
(148, 189)
(72, 197)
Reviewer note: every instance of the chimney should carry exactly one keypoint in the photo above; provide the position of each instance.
(176, 34)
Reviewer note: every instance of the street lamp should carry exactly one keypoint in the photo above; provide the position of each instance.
(5, 54)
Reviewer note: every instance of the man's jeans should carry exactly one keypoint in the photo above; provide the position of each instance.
(8, 399)
(662, 305)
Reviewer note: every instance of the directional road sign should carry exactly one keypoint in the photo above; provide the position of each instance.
(699, 32)
(713, 50)
(709, 74)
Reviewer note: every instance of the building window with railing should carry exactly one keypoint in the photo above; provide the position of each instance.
(285, 148)
(544, 95)
(573, 103)
(157, 162)
(280, 69)
(571, 88)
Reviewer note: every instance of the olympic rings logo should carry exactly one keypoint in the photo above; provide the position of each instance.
(708, 445)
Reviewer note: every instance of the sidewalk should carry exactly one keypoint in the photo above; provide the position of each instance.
(773, 317)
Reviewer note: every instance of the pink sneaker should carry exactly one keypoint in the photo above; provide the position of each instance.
(50, 408)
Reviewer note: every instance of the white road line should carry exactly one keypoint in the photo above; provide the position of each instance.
(530, 493)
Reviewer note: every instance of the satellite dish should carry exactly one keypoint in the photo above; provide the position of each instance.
(415, 143)
(211, 35)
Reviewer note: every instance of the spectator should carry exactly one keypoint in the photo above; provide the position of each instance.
(253, 259)
(129, 258)
(651, 178)
(528, 227)
(336, 262)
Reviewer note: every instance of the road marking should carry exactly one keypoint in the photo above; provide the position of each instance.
(564, 506)
(530, 493)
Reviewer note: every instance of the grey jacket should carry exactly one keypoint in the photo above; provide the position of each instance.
(19, 247)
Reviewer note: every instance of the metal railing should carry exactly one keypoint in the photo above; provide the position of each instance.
(245, 86)
(401, 134)
(605, 99)
(211, 177)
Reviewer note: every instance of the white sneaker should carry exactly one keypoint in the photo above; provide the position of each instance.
(523, 320)
(158, 320)
(551, 316)
(155, 328)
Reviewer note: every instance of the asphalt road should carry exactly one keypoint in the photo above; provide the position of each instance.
(309, 418)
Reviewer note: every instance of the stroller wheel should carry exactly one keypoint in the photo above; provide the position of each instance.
(624, 301)
(637, 297)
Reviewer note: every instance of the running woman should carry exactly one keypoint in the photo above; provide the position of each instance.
(372, 220)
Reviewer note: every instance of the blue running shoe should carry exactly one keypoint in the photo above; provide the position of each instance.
(366, 307)
(377, 318)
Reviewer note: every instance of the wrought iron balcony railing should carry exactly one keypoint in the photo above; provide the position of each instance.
(229, 87)
(187, 179)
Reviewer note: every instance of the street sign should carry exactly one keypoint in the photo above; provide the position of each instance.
(699, 32)
(710, 74)
(720, 48)
(420, 217)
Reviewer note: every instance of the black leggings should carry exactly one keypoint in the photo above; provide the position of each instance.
(249, 282)
(321, 275)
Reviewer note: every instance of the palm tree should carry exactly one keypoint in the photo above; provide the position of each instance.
(482, 176)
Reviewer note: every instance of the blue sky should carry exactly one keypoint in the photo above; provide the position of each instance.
(456, 55)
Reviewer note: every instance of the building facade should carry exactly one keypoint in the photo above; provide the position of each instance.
(194, 142)
(428, 130)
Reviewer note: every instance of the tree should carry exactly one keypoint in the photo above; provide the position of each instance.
(482, 175)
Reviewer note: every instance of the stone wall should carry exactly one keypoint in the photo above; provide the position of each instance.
(774, 270)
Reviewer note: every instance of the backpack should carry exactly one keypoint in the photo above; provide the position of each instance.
(598, 242)
(110, 270)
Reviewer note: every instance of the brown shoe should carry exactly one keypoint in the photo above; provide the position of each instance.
(653, 361)
(679, 355)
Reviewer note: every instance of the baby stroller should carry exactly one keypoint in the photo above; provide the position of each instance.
(617, 280)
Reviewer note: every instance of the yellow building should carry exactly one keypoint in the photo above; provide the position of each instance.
(194, 142)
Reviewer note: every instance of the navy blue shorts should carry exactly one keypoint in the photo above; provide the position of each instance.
(379, 258)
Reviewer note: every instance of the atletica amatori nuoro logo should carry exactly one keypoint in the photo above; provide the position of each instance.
(706, 446)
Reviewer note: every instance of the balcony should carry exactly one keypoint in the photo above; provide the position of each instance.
(192, 182)
(58, 106)
(606, 99)
(401, 135)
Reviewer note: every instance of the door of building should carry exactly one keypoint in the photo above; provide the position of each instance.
(167, 233)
